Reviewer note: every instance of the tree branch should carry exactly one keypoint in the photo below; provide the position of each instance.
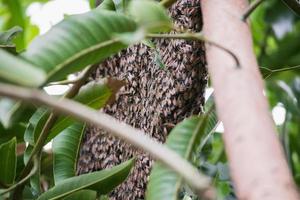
(256, 157)
(129, 134)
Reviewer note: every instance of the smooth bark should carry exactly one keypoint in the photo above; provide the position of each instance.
(257, 163)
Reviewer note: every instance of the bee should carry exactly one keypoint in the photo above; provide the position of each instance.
(154, 99)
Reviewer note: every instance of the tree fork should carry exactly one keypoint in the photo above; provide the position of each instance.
(257, 163)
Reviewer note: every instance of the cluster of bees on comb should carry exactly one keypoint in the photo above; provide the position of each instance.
(153, 100)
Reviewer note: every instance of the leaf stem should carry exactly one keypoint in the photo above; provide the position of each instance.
(32, 172)
(119, 129)
(199, 37)
(251, 8)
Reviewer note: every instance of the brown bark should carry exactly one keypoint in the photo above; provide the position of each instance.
(153, 100)
(258, 167)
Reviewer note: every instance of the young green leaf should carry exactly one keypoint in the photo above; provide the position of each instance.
(8, 161)
(101, 181)
(150, 15)
(65, 151)
(6, 38)
(18, 71)
(157, 57)
(78, 41)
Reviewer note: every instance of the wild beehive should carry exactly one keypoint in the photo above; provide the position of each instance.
(154, 98)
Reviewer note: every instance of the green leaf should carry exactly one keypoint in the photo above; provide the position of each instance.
(212, 121)
(183, 139)
(83, 194)
(14, 112)
(65, 151)
(94, 95)
(17, 17)
(150, 15)
(35, 184)
(92, 4)
(8, 162)
(157, 57)
(104, 197)
(120, 5)
(6, 38)
(17, 130)
(107, 5)
(294, 5)
(8, 110)
(165, 183)
(18, 71)
(101, 181)
(78, 41)
(35, 125)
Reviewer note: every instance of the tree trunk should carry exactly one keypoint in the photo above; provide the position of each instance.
(257, 163)
(154, 98)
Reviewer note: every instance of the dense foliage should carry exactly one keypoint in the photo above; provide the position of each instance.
(29, 172)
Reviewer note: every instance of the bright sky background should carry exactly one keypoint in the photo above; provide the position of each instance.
(46, 15)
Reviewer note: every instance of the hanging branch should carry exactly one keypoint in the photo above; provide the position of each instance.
(119, 129)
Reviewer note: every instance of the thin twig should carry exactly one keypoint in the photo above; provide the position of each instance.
(21, 182)
(51, 121)
(129, 134)
(285, 69)
(251, 8)
(196, 36)
(273, 71)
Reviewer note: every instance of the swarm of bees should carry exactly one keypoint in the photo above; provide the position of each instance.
(154, 98)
